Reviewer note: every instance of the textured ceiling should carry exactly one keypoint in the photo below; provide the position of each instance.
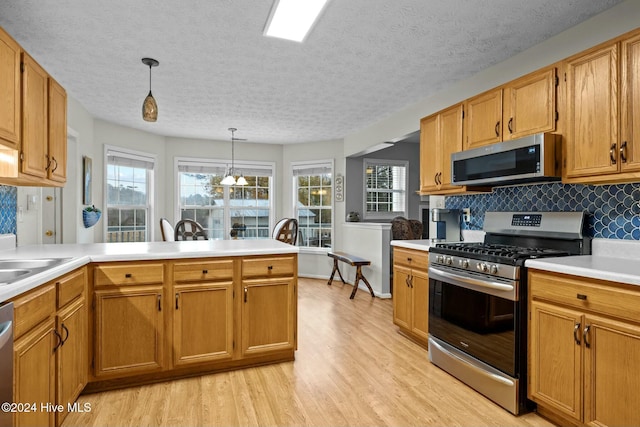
(364, 60)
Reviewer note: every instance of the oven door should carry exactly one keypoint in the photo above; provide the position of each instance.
(472, 317)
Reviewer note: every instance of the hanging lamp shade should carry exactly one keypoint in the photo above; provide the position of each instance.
(149, 106)
(229, 179)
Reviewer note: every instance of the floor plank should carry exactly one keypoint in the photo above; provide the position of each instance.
(352, 368)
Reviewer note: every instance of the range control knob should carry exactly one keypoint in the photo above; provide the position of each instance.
(494, 269)
(439, 259)
(483, 267)
(448, 260)
(463, 263)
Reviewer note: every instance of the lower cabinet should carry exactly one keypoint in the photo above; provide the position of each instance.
(128, 330)
(584, 341)
(411, 292)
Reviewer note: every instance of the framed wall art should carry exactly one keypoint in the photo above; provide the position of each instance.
(339, 188)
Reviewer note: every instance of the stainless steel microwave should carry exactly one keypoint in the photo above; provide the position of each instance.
(534, 158)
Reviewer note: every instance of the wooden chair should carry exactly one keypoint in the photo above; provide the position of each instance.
(167, 230)
(188, 229)
(286, 230)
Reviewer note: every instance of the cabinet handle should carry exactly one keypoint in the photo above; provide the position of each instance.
(177, 296)
(623, 152)
(611, 155)
(576, 336)
(584, 336)
(159, 302)
(55, 164)
(246, 291)
(59, 343)
(205, 271)
(581, 296)
(66, 336)
(498, 128)
(48, 163)
(510, 125)
(270, 267)
(435, 178)
(128, 275)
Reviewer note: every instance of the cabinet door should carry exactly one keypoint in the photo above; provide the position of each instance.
(484, 119)
(203, 323)
(71, 363)
(57, 132)
(450, 141)
(592, 109)
(555, 366)
(630, 105)
(34, 118)
(530, 105)
(129, 331)
(268, 315)
(429, 160)
(611, 360)
(10, 90)
(420, 303)
(402, 297)
(34, 372)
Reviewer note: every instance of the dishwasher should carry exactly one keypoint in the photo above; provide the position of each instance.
(6, 362)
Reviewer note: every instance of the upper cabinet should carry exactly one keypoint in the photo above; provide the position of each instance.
(10, 90)
(530, 104)
(600, 144)
(33, 119)
(483, 121)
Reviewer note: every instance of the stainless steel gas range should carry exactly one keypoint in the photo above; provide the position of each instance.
(478, 299)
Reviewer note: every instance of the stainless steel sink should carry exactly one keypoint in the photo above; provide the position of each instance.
(12, 270)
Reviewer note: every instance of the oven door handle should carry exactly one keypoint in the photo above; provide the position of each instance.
(470, 280)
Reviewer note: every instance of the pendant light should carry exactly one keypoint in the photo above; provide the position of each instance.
(149, 106)
(229, 179)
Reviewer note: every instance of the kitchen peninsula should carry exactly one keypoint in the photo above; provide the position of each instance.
(118, 314)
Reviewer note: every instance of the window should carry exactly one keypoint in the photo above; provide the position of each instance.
(226, 211)
(313, 185)
(386, 187)
(128, 194)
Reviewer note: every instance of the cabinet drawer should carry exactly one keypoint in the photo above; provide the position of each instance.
(128, 274)
(597, 296)
(409, 258)
(70, 286)
(268, 267)
(33, 308)
(196, 271)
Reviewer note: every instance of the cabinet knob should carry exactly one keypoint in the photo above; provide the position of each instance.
(581, 297)
(127, 275)
(205, 271)
(270, 267)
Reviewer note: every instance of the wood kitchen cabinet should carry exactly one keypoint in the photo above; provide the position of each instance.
(203, 313)
(57, 133)
(411, 292)
(483, 119)
(602, 103)
(35, 87)
(440, 136)
(10, 102)
(129, 318)
(584, 339)
(268, 304)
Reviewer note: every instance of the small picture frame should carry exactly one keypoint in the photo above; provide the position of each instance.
(339, 188)
(86, 180)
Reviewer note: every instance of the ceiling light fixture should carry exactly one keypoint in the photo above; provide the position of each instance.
(293, 19)
(229, 179)
(149, 106)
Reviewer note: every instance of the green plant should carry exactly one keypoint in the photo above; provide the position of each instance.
(92, 208)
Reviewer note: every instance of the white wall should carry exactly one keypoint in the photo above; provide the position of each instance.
(605, 26)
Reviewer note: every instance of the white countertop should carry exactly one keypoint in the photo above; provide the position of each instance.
(621, 270)
(82, 254)
(420, 245)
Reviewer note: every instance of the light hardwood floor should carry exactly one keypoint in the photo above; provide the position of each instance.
(352, 368)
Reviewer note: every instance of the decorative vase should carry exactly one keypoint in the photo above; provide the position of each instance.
(89, 218)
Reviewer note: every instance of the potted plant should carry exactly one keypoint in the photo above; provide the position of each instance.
(90, 215)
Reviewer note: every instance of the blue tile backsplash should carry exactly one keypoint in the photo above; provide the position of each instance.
(8, 209)
(613, 211)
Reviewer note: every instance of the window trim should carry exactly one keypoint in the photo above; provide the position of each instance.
(294, 192)
(136, 155)
(387, 215)
(238, 166)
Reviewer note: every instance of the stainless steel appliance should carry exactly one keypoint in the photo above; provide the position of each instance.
(478, 299)
(446, 225)
(530, 159)
(6, 361)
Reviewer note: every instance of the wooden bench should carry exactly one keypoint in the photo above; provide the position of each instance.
(354, 261)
